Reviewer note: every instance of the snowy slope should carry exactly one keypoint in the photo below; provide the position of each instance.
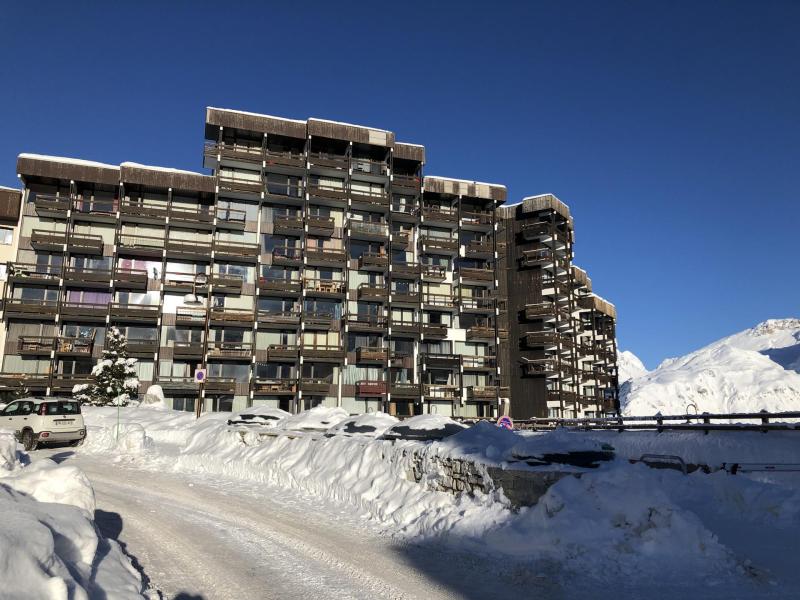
(629, 366)
(756, 369)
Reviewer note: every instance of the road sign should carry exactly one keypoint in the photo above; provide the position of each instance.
(199, 375)
(505, 422)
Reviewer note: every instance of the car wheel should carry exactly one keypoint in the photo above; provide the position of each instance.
(29, 440)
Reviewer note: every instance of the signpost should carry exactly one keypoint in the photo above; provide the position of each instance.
(505, 422)
(199, 379)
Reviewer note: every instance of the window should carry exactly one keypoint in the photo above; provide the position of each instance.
(6, 236)
(184, 403)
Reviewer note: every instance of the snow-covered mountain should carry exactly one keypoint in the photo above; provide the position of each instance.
(629, 366)
(756, 369)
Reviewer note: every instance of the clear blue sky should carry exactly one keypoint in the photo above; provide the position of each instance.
(672, 129)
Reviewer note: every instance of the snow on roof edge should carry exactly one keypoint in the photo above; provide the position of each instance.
(253, 114)
(67, 160)
(163, 169)
(9, 189)
(349, 124)
(466, 181)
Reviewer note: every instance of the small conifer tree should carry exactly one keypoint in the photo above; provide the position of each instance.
(114, 375)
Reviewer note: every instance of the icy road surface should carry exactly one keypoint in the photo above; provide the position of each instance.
(215, 539)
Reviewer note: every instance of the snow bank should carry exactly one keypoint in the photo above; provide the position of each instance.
(366, 425)
(754, 370)
(49, 545)
(318, 418)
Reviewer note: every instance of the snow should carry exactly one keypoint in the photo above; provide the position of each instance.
(757, 369)
(629, 366)
(424, 427)
(349, 125)
(619, 526)
(369, 425)
(134, 165)
(9, 189)
(49, 545)
(252, 114)
(470, 181)
(71, 161)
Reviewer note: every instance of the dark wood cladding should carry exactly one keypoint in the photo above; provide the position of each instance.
(350, 133)
(167, 179)
(409, 152)
(52, 168)
(471, 189)
(9, 204)
(254, 122)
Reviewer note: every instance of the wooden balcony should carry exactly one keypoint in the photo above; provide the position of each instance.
(368, 230)
(323, 353)
(64, 382)
(439, 302)
(406, 297)
(328, 160)
(370, 293)
(377, 201)
(477, 304)
(74, 346)
(320, 320)
(545, 366)
(366, 355)
(195, 248)
(546, 310)
(536, 339)
(406, 183)
(481, 332)
(441, 361)
(234, 152)
(31, 274)
(141, 348)
(223, 282)
(324, 287)
(288, 224)
(439, 245)
(282, 319)
(231, 316)
(486, 393)
(231, 185)
(402, 210)
(82, 277)
(371, 388)
(327, 194)
(315, 387)
(131, 279)
(220, 385)
(190, 316)
(441, 392)
(135, 313)
(84, 311)
(483, 220)
(560, 285)
(25, 308)
(283, 353)
(230, 351)
(178, 383)
(401, 239)
(54, 207)
(405, 390)
(323, 256)
(368, 166)
(434, 330)
(16, 381)
(80, 243)
(479, 248)
(479, 363)
(200, 217)
(288, 193)
(286, 158)
(140, 245)
(373, 261)
(433, 273)
(447, 217)
(318, 225)
(49, 241)
(404, 328)
(279, 286)
(287, 255)
(230, 218)
(476, 276)
(405, 270)
(143, 211)
(274, 387)
(183, 282)
(28, 345)
(239, 251)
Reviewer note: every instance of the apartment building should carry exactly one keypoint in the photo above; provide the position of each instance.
(313, 264)
(560, 360)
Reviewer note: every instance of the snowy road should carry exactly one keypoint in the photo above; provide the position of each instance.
(223, 539)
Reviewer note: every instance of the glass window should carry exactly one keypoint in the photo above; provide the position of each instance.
(6, 236)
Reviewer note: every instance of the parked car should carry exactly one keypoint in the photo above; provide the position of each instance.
(44, 420)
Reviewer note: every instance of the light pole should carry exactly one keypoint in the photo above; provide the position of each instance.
(193, 299)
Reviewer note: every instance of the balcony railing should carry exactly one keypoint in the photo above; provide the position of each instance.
(30, 273)
(480, 332)
(546, 338)
(240, 185)
(64, 382)
(316, 387)
(48, 240)
(441, 361)
(230, 315)
(237, 250)
(371, 388)
(35, 345)
(200, 248)
(328, 159)
(279, 319)
(479, 362)
(190, 216)
(178, 382)
(373, 260)
(49, 205)
(438, 244)
(369, 229)
(239, 152)
(327, 192)
(285, 158)
(187, 349)
(291, 224)
(144, 210)
(142, 347)
(402, 209)
(323, 352)
(279, 284)
(532, 231)
(404, 327)
(319, 320)
(16, 381)
(476, 274)
(226, 281)
(274, 387)
(439, 213)
(438, 301)
(286, 190)
(368, 166)
(406, 297)
(135, 312)
(434, 330)
(436, 272)
(405, 270)
(220, 385)
(539, 367)
(405, 390)
(371, 355)
(287, 254)
(230, 350)
(371, 293)
(546, 309)
(326, 255)
(29, 307)
(83, 275)
(320, 225)
(283, 352)
(91, 310)
(477, 304)
(366, 322)
(230, 217)
(486, 392)
(144, 244)
(477, 219)
(479, 247)
(324, 286)
(441, 392)
(190, 316)
(369, 198)
(405, 181)
(85, 244)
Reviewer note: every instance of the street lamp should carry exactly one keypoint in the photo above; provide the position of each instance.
(192, 299)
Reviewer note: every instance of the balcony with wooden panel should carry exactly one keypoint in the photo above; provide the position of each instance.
(287, 255)
(238, 351)
(226, 283)
(477, 304)
(81, 243)
(285, 192)
(143, 211)
(485, 363)
(87, 278)
(441, 392)
(368, 292)
(284, 158)
(288, 224)
(142, 348)
(315, 387)
(279, 286)
(48, 241)
(232, 153)
(278, 319)
(319, 320)
(51, 206)
(274, 387)
(130, 279)
(368, 230)
(236, 251)
(187, 350)
(433, 272)
(240, 186)
(64, 382)
(439, 245)
(405, 270)
(377, 201)
(440, 302)
(366, 355)
(29, 308)
(406, 297)
(435, 360)
(192, 217)
(486, 393)
(324, 288)
(405, 390)
(29, 345)
(371, 388)
(546, 310)
(283, 353)
(476, 276)
(370, 167)
(140, 245)
(328, 160)
(323, 353)
(324, 256)
(178, 383)
(404, 328)
(32, 274)
(434, 330)
(240, 317)
(477, 220)
(197, 248)
(540, 366)
(220, 385)
(15, 382)
(320, 225)
(134, 313)
(441, 216)
(410, 184)
(84, 311)
(327, 195)
(230, 218)
(374, 262)
(543, 231)
(190, 316)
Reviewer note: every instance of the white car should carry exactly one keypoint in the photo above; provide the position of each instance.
(44, 420)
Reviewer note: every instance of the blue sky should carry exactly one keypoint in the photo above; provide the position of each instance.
(672, 129)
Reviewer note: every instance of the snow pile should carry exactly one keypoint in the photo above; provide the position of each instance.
(264, 416)
(629, 366)
(367, 425)
(757, 369)
(318, 418)
(139, 428)
(424, 427)
(49, 546)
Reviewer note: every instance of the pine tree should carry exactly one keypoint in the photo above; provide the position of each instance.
(114, 376)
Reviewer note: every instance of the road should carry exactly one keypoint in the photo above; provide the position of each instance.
(222, 539)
